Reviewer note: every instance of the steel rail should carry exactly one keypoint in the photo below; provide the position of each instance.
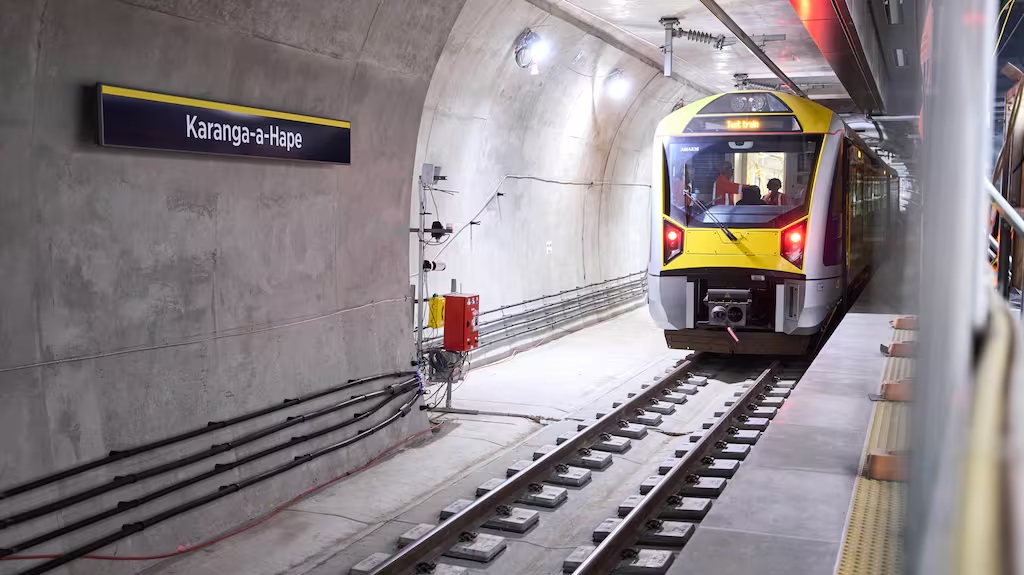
(444, 536)
(608, 554)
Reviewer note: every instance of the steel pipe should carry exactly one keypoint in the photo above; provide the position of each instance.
(1005, 209)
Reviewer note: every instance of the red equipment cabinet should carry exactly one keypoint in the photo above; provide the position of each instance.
(460, 329)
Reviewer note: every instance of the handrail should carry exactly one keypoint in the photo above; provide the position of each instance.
(1005, 209)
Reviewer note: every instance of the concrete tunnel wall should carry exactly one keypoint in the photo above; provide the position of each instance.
(123, 254)
(485, 118)
(110, 249)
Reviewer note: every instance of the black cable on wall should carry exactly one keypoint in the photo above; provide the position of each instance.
(216, 449)
(122, 506)
(221, 492)
(210, 427)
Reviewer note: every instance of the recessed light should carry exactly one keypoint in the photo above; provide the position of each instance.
(893, 11)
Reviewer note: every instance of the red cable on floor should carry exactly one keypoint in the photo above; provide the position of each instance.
(293, 501)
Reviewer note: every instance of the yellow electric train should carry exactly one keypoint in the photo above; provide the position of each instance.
(769, 213)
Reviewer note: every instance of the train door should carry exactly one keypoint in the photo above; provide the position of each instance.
(857, 244)
(836, 234)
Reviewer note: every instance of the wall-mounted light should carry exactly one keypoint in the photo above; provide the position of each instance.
(893, 11)
(901, 58)
(617, 84)
(530, 50)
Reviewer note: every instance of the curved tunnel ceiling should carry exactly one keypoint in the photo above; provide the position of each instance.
(798, 55)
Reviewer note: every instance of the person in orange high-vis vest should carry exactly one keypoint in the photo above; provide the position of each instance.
(726, 190)
(774, 197)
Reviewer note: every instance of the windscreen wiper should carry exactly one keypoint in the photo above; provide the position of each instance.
(707, 211)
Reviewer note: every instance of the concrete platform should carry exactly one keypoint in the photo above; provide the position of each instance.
(785, 509)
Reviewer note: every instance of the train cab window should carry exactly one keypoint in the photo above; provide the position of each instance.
(709, 179)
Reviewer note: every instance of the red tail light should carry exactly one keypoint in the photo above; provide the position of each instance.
(673, 241)
(793, 240)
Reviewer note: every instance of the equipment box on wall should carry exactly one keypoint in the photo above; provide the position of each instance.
(460, 326)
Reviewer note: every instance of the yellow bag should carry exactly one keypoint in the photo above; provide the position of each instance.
(436, 318)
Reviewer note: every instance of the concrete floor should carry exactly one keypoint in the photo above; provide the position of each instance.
(333, 530)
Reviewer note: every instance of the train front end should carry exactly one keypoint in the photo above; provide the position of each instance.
(746, 256)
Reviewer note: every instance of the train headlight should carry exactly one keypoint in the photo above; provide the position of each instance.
(749, 103)
(672, 241)
(718, 313)
(794, 239)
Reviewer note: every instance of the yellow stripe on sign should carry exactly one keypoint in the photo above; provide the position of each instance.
(182, 101)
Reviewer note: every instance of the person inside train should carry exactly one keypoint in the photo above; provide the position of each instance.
(751, 197)
(726, 190)
(774, 197)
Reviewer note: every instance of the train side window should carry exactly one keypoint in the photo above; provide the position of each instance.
(834, 227)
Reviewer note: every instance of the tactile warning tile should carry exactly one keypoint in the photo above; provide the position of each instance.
(889, 427)
(871, 545)
(895, 368)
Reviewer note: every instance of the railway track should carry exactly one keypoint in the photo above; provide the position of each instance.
(646, 531)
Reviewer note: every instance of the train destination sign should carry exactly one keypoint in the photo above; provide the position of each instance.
(138, 119)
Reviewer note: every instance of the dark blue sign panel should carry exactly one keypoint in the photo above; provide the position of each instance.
(137, 119)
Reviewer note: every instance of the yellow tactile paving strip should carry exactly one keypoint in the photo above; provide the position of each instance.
(871, 544)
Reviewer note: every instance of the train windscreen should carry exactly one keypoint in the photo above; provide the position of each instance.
(742, 181)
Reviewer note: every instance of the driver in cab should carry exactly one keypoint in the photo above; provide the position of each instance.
(726, 190)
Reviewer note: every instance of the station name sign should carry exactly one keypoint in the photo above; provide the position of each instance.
(138, 119)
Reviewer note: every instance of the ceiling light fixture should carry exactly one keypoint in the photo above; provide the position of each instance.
(530, 50)
(618, 85)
